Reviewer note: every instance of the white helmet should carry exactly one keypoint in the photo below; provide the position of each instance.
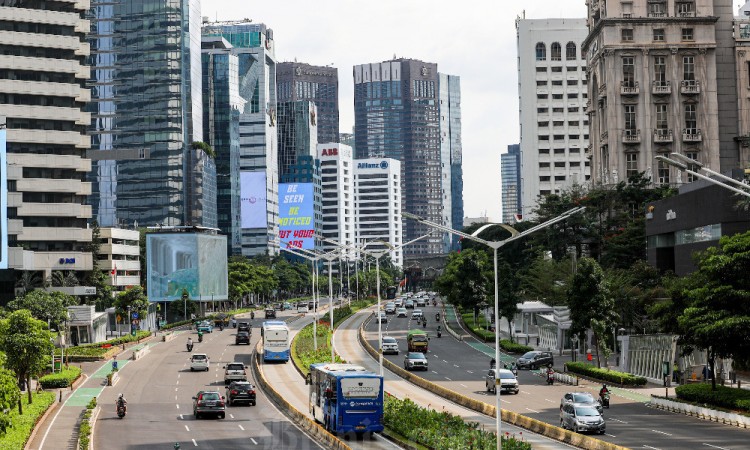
(121, 396)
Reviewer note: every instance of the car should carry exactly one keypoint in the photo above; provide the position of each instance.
(205, 327)
(417, 315)
(415, 360)
(581, 398)
(390, 308)
(535, 359)
(302, 308)
(310, 305)
(270, 313)
(286, 306)
(199, 361)
(383, 318)
(581, 418)
(409, 304)
(242, 337)
(240, 392)
(208, 403)
(401, 312)
(421, 302)
(389, 345)
(235, 371)
(399, 302)
(508, 381)
(243, 326)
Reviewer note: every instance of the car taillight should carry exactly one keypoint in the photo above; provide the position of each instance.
(253, 391)
(233, 392)
(221, 403)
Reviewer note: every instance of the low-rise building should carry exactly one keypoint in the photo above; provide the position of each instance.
(119, 258)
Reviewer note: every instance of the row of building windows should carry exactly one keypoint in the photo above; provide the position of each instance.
(690, 115)
(559, 69)
(660, 71)
(547, 179)
(559, 151)
(562, 123)
(562, 164)
(555, 51)
(559, 82)
(570, 96)
(658, 8)
(561, 137)
(570, 109)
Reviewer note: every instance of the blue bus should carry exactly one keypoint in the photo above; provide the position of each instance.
(276, 342)
(346, 398)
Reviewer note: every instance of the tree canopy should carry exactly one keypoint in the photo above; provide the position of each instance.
(467, 279)
(44, 305)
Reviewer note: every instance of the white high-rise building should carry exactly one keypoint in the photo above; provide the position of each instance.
(337, 182)
(377, 204)
(552, 96)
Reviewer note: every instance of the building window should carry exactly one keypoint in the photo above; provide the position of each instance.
(631, 165)
(541, 96)
(557, 69)
(541, 51)
(657, 9)
(541, 69)
(557, 83)
(661, 117)
(542, 124)
(627, 34)
(691, 122)
(630, 118)
(658, 34)
(570, 51)
(660, 70)
(662, 172)
(694, 156)
(542, 110)
(556, 51)
(687, 34)
(557, 96)
(541, 82)
(688, 68)
(685, 9)
(628, 71)
(572, 82)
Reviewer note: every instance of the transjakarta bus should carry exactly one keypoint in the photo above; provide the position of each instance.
(275, 341)
(346, 398)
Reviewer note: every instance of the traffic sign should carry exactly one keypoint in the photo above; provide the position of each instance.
(135, 315)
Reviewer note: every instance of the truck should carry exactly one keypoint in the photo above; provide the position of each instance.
(417, 341)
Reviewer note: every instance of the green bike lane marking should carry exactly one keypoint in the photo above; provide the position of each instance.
(107, 368)
(82, 396)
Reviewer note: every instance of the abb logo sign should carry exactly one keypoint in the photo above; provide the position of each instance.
(330, 152)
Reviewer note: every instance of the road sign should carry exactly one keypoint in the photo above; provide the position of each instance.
(135, 315)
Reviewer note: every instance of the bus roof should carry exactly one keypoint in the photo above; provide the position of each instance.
(341, 369)
(274, 322)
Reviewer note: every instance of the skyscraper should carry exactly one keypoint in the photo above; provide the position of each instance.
(451, 155)
(552, 98)
(510, 174)
(397, 114)
(320, 85)
(337, 171)
(259, 172)
(146, 111)
(42, 105)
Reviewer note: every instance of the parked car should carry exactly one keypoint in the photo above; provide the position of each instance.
(409, 304)
(535, 360)
(382, 317)
(401, 312)
(389, 345)
(508, 381)
(208, 403)
(242, 337)
(240, 392)
(205, 327)
(417, 314)
(581, 418)
(415, 360)
(199, 361)
(581, 398)
(235, 371)
(243, 326)
(390, 308)
(270, 313)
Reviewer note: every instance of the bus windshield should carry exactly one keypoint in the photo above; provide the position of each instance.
(419, 338)
(276, 335)
(352, 387)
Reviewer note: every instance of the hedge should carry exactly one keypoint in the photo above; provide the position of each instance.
(98, 349)
(84, 431)
(723, 397)
(513, 347)
(613, 376)
(61, 379)
(18, 433)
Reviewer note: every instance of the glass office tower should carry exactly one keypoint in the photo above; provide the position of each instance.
(146, 112)
(510, 172)
(320, 85)
(451, 155)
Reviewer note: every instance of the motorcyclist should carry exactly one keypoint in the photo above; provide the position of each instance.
(514, 368)
(437, 317)
(439, 330)
(122, 402)
(200, 336)
(252, 314)
(550, 374)
(603, 391)
(190, 344)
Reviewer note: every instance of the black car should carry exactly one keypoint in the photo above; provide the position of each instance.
(208, 403)
(535, 360)
(270, 313)
(240, 392)
(243, 337)
(243, 326)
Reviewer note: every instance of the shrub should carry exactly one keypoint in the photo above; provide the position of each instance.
(61, 379)
(723, 396)
(18, 433)
(613, 376)
(303, 348)
(513, 347)
(84, 430)
(98, 349)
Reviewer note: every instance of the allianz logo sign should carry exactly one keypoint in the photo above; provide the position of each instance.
(383, 165)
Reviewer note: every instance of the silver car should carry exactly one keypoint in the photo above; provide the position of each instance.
(581, 398)
(508, 382)
(581, 418)
(415, 360)
(389, 346)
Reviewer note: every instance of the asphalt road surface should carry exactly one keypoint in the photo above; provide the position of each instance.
(462, 366)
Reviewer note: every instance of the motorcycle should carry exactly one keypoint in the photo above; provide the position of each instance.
(424, 323)
(200, 337)
(252, 314)
(439, 332)
(120, 410)
(550, 377)
(437, 317)
(604, 399)
(190, 347)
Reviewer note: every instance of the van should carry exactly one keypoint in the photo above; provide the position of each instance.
(199, 361)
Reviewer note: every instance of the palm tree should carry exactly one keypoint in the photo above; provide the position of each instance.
(63, 279)
(29, 280)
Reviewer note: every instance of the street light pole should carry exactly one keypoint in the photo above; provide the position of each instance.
(685, 168)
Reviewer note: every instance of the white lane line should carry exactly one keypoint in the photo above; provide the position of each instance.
(529, 409)
(254, 441)
(178, 382)
(715, 446)
(617, 420)
(464, 385)
(661, 432)
(611, 435)
(470, 371)
(175, 389)
(175, 397)
(434, 372)
(548, 400)
(455, 365)
(181, 418)
(652, 448)
(178, 406)
(445, 361)
(231, 416)
(448, 379)
(186, 427)
(241, 427)
(195, 443)
(178, 375)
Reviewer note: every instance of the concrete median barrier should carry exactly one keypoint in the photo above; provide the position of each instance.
(312, 428)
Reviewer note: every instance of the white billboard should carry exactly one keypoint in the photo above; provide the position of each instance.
(253, 200)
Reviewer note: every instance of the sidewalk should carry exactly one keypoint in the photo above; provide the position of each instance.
(59, 429)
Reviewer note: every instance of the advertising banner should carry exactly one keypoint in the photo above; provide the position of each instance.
(296, 215)
(253, 200)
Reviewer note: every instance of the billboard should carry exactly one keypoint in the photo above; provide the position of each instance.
(192, 261)
(296, 215)
(3, 199)
(253, 200)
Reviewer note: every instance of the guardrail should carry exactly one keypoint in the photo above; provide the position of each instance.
(513, 418)
(450, 330)
(713, 415)
(168, 336)
(140, 353)
(313, 429)
(564, 378)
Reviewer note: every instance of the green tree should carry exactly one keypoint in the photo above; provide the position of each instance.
(130, 301)
(178, 308)
(590, 303)
(29, 280)
(547, 280)
(27, 343)
(467, 279)
(44, 305)
(10, 395)
(97, 277)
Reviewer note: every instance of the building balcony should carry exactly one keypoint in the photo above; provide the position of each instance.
(657, 14)
(686, 14)
(691, 135)
(690, 87)
(663, 136)
(631, 136)
(603, 90)
(629, 88)
(661, 88)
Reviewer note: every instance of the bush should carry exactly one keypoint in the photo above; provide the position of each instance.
(177, 324)
(18, 433)
(98, 350)
(84, 431)
(61, 379)
(303, 348)
(443, 430)
(723, 397)
(513, 347)
(613, 376)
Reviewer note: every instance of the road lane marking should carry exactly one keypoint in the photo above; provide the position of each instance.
(448, 379)
(445, 361)
(548, 400)
(464, 385)
(186, 427)
(617, 420)
(652, 448)
(455, 365)
(178, 382)
(661, 432)
(178, 375)
(195, 443)
(178, 406)
(611, 435)
(254, 441)
(181, 418)
(175, 389)
(241, 427)
(434, 372)
(231, 416)
(470, 371)
(715, 446)
(529, 409)
(524, 392)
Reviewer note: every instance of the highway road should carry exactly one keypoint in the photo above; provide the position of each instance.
(160, 387)
(461, 366)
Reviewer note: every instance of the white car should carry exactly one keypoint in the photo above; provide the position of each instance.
(235, 371)
(417, 315)
(399, 302)
(199, 361)
(401, 312)
(302, 308)
(390, 308)
(389, 345)
(508, 381)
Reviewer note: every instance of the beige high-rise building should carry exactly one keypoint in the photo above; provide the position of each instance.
(662, 79)
(42, 73)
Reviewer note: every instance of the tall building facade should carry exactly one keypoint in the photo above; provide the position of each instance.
(397, 115)
(253, 45)
(337, 173)
(43, 130)
(552, 95)
(317, 84)
(510, 175)
(146, 111)
(377, 204)
(221, 130)
(451, 154)
(662, 79)
(742, 71)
